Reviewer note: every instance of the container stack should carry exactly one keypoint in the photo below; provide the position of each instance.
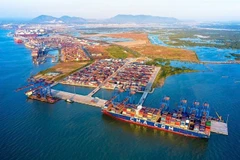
(208, 127)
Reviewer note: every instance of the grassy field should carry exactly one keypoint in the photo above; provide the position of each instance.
(117, 52)
(120, 52)
(64, 68)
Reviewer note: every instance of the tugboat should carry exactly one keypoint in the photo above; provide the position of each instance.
(69, 100)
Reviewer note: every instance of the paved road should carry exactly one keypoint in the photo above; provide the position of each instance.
(86, 52)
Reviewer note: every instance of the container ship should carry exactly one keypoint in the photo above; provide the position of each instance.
(195, 123)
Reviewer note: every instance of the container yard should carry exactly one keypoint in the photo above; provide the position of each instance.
(111, 73)
(134, 76)
(70, 48)
(73, 53)
(94, 74)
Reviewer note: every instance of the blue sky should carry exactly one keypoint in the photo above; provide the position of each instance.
(182, 9)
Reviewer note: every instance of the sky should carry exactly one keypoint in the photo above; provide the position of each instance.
(219, 10)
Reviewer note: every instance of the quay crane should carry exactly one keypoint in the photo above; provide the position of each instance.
(194, 110)
(182, 108)
(119, 104)
(164, 104)
(40, 90)
(115, 95)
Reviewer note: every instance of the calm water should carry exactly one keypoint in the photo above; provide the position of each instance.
(34, 130)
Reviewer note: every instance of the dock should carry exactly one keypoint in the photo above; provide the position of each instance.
(149, 86)
(219, 127)
(97, 102)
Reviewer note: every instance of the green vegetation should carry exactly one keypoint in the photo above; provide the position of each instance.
(117, 52)
(121, 52)
(236, 56)
(166, 70)
(133, 53)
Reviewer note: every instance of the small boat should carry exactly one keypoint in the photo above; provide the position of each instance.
(69, 100)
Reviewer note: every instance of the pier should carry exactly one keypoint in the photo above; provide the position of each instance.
(149, 86)
(79, 98)
(219, 127)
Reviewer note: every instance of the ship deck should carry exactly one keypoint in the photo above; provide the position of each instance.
(219, 127)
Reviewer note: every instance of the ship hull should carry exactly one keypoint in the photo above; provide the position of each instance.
(153, 125)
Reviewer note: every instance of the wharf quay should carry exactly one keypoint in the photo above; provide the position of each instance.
(97, 102)
(219, 127)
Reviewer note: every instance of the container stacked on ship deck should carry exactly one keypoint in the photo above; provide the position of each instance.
(129, 110)
(196, 120)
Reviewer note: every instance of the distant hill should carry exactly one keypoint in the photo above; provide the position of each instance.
(67, 19)
(63, 19)
(43, 19)
(121, 18)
